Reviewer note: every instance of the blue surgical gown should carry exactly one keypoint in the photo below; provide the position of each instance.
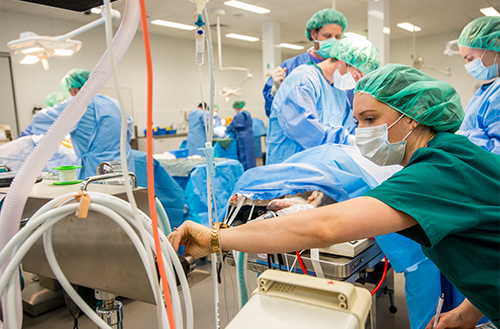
(167, 190)
(482, 117)
(241, 127)
(290, 65)
(196, 134)
(307, 111)
(217, 121)
(95, 138)
(259, 130)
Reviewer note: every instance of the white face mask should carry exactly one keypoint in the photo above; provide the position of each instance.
(343, 82)
(374, 145)
(477, 69)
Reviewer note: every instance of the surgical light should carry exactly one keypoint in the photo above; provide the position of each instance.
(241, 37)
(31, 48)
(63, 52)
(174, 25)
(290, 46)
(247, 7)
(29, 59)
(489, 11)
(409, 27)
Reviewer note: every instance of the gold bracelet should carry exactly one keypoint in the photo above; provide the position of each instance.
(215, 236)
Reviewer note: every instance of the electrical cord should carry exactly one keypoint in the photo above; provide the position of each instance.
(386, 265)
(301, 262)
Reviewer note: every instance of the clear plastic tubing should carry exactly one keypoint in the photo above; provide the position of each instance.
(200, 46)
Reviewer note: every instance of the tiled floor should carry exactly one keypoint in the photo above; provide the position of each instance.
(140, 315)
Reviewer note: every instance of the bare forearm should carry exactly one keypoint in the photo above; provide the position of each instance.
(346, 221)
(287, 233)
(316, 228)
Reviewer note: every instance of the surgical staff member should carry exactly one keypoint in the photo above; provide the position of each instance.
(479, 45)
(446, 198)
(96, 137)
(241, 127)
(325, 27)
(311, 108)
(197, 134)
(55, 98)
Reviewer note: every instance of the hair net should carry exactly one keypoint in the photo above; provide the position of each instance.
(238, 104)
(324, 17)
(427, 100)
(55, 98)
(357, 52)
(482, 33)
(75, 78)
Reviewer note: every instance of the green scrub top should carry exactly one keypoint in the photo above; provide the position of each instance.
(452, 189)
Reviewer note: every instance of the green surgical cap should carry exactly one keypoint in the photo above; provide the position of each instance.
(357, 52)
(428, 101)
(482, 33)
(238, 104)
(324, 17)
(55, 98)
(75, 78)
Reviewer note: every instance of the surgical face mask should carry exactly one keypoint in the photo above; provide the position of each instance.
(325, 46)
(477, 69)
(374, 145)
(343, 82)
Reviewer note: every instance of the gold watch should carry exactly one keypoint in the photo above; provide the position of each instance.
(215, 236)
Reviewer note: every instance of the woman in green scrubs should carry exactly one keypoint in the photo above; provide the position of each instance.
(446, 198)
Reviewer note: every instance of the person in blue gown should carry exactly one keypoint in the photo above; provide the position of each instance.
(198, 120)
(479, 45)
(241, 128)
(311, 108)
(96, 137)
(324, 28)
(445, 198)
(217, 118)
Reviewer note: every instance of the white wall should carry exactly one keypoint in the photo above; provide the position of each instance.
(431, 49)
(175, 73)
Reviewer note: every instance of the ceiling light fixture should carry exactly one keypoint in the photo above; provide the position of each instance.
(354, 35)
(409, 27)
(241, 37)
(291, 46)
(489, 11)
(247, 7)
(174, 25)
(96, 10)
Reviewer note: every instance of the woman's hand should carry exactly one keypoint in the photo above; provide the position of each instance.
(195, 237)
(464, 316)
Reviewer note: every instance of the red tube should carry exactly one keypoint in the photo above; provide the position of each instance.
(386, 265)
(301, 262)
(150, 166)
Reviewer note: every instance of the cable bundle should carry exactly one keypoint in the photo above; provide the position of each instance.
(41, 224)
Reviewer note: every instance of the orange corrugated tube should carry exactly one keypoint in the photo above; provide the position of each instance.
(151, 183)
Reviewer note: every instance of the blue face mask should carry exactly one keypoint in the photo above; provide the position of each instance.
(325, 46)
(477, 69)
